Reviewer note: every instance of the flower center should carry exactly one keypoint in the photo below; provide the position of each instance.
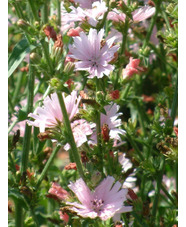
(97, 205)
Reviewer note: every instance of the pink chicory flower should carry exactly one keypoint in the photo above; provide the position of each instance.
(104, 202)
(91, 16)
(91, 55)
(81, 129)
(138, 15)
(50, 114)
(87, 4)
(112, 122)
(58, 191)
(143, 13)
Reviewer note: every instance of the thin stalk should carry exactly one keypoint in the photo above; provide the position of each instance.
(125, 33)
(49, 162)
(17, 89)
(153, 21)
(70, 134)
(18, 215)
(27, 136)
(125, 220)
(33, 9)
(59, 12)
(175, 101)
(126, 91)
(141, 118)
(10, 104)
(18, 10)
(166, 19)
(12, 125)
(47, 56)
(167, 194)
(157, 192)
(134, 145)
(44, 12)
(12, 164)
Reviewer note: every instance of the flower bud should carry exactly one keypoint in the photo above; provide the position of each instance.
(74, 32)
(69, 68)
(25, 26)
(50, 32)
(105, 132)
(70, 166)
(56, 83)
(35, 58)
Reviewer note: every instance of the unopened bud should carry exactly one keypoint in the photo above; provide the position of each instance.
(50, 32)
(84, 157)
(114, 94)
(74, 31)
(42, 136)
(35, 58)
(105, 132)
(69, 68)
(132, 194)
(70, 166)
(22, 24)
(56, 83)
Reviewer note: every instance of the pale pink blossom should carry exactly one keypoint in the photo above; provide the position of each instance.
(112, 122)
(143, 13)
(104, 202)
(21, 124)
(91, 55)
(138, 15)
(85, 3)
(130, 181)
(80, 129)
(92, 15)
(131, 68)
(58, 191)
(50, 114)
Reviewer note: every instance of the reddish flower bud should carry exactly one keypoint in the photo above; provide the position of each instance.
(72, 165)
(50, 32)
(176, 131)
(69, 82)
(147, 98)
(115, 94)
(57, 191)
(84, 157)
(74, 31)
(64, 216)
(58, 42)
(132, 194)
(105, 132)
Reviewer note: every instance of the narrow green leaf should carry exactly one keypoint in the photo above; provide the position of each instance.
(21, 49)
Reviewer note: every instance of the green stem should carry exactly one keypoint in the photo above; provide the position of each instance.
(17, 89)
(18, 214)
(44, 12)
(12, 164)
(12, 125)
(175, 101)
(18, 10)
(126, 91)
(10, 104)
(47, 56)
(59, 12)
(33, 9)
(125, 33)
(157, 193)
(27, 136)
(141, 118)
(70, 134)
(134, 145)
(49, 162)
(153, 21)
(167, 194)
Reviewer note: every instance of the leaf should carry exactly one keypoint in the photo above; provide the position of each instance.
(21, 49)
(16, 196)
